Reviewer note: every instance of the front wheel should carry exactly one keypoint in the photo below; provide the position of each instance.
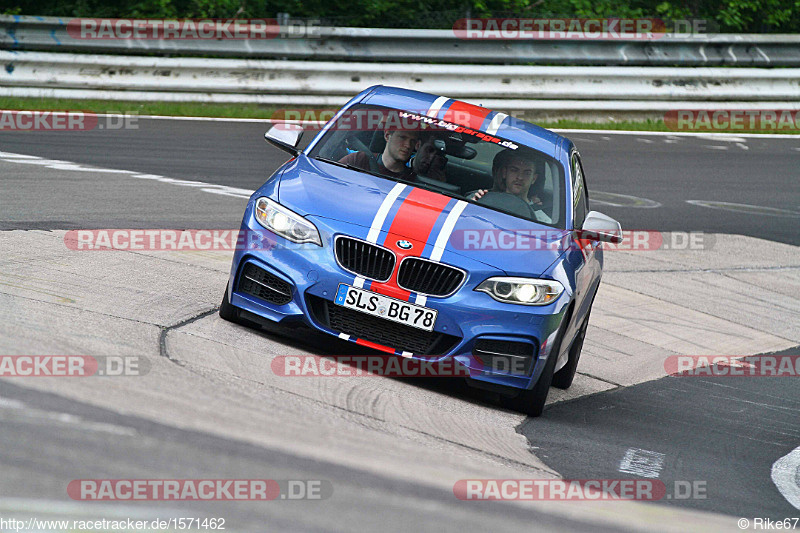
(564, 377)
(227, 311)
(531, 402)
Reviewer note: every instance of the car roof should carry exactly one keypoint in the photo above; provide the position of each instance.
(469, 115)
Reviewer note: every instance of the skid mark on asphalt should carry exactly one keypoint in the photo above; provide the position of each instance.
(62, 299)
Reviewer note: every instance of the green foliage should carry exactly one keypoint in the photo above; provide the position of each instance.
(745, 16)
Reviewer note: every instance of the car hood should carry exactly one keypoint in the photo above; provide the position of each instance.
(504, 242)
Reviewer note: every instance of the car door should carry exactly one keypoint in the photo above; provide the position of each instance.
(587, 263)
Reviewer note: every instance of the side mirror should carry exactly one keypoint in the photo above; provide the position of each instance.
(285, 136)
(600, 227)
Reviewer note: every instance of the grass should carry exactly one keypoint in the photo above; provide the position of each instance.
(258, 111)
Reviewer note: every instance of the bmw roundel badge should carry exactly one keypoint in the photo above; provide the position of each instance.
(405, 245)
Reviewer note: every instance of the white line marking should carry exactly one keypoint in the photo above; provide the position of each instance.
(61, 510)
(557, 130)
(18, 156)
(26, 414)
(642, 463)
(715, 136)
(436, 106)
(56, 164)
(745, 208)
(447, 230)
(621, 200)
(786, 476)
(496, 122)
(647, 141)
(8, 403)
(729, 139)
(712, 147)
(383, 211)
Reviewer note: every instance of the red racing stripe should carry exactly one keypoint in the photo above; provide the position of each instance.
(465, 114)
(374, 346)
(414, 223)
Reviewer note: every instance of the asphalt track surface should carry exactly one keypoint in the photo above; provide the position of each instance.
(658, 170)
(722, 431)
(125, 447)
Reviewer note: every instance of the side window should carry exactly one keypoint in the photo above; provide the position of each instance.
(580, 201)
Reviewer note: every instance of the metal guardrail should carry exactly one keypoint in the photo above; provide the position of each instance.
(43, 74)
(435, 46)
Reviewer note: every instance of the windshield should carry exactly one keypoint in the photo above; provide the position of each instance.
(446, 158)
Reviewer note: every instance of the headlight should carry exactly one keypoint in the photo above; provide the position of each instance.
(285, 222)
(525, 291)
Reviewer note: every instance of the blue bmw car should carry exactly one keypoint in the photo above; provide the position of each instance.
(430, 228)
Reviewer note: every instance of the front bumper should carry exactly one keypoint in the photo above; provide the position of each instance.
(464, 319)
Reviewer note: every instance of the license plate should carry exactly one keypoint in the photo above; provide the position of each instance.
(382, 306)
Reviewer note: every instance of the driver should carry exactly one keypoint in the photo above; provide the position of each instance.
(515, 174)
(400, 144)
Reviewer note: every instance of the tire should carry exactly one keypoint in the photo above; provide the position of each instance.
(531, 402)
(564, 377)
(227, 311)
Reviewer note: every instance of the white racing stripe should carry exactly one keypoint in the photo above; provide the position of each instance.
(436, 106)
(494, 125)
(441, 240)
(786, 476)
(383, 211)
(377, 223)
(447, 230)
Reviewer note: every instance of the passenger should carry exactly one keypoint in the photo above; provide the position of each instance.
(392, 162)
(430, 160)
